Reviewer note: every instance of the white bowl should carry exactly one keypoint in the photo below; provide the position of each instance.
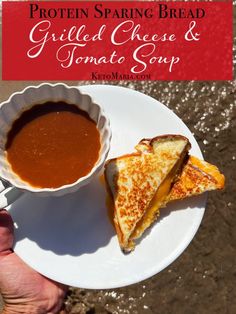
(11, 109)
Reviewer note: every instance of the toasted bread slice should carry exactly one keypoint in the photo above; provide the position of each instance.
(197, 177)
(136, 179)
(139, 188)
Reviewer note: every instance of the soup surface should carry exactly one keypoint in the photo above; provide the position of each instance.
(53, 144)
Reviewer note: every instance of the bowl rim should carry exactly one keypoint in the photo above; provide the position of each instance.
(101, 160)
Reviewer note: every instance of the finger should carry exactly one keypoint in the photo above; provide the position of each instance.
(6, 232)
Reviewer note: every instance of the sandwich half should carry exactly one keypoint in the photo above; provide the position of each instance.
(197, 177)
(159, 172)
(140, 182)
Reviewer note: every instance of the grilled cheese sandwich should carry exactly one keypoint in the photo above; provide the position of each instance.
(145, 181)
(197, 177)
(135, 179)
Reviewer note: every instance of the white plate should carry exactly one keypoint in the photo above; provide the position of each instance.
(70, 239)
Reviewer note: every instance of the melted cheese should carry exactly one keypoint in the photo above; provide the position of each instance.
(210, 170)
(159, 200)
(153, 210)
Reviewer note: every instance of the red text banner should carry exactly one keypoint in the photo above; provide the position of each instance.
(73, 40)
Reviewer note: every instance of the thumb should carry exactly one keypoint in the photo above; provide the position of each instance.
(6, 232)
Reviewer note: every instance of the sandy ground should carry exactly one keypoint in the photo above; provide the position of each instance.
(202, 280)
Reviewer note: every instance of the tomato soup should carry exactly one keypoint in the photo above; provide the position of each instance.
(53, 144)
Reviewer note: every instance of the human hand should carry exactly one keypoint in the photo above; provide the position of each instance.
(23, 289)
